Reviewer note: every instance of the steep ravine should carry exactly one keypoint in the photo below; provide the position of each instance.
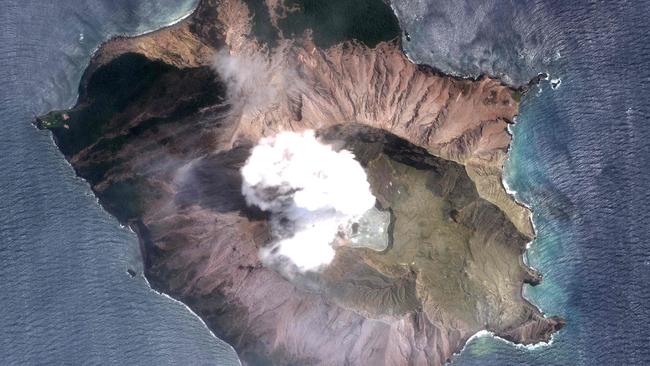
(165, 120)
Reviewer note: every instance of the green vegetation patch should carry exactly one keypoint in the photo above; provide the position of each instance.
(335, 21)
(126, 199)
(106, 104)
(110, 90)
(95, 172)
(263, 29)
(54, 119)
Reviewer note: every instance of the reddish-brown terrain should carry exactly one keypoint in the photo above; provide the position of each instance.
(165, 121)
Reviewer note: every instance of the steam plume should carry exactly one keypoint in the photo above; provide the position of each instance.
(258, 81)
(312, 191)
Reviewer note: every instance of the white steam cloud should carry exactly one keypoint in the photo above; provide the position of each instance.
(257, 81)
(313, 192)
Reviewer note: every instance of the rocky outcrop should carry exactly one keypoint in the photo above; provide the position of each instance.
(165, 120)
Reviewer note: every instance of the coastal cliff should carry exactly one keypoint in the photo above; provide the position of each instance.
(164, 122)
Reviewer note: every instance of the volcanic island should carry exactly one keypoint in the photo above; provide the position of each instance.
(165, 122)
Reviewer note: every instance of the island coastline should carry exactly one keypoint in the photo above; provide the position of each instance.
(98, 61)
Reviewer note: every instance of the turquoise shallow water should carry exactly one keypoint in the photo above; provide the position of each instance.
(579, 159)
(554, 252)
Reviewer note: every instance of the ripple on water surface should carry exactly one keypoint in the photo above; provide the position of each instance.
(67, 296)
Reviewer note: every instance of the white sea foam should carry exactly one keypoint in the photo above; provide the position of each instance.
(555, 83)
(487, 333)
(513, 194)
(171, 23)
(221, 342)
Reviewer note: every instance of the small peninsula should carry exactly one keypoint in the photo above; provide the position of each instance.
(165, 121)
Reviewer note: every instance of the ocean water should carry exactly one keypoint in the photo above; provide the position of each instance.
(580, 159)
(66, 295)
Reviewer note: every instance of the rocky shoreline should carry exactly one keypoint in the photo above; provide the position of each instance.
(165, 120)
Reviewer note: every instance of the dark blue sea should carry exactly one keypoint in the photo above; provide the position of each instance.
(65, 295)
(580, 159)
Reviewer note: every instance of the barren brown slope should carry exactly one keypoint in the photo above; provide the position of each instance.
(160, 136)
